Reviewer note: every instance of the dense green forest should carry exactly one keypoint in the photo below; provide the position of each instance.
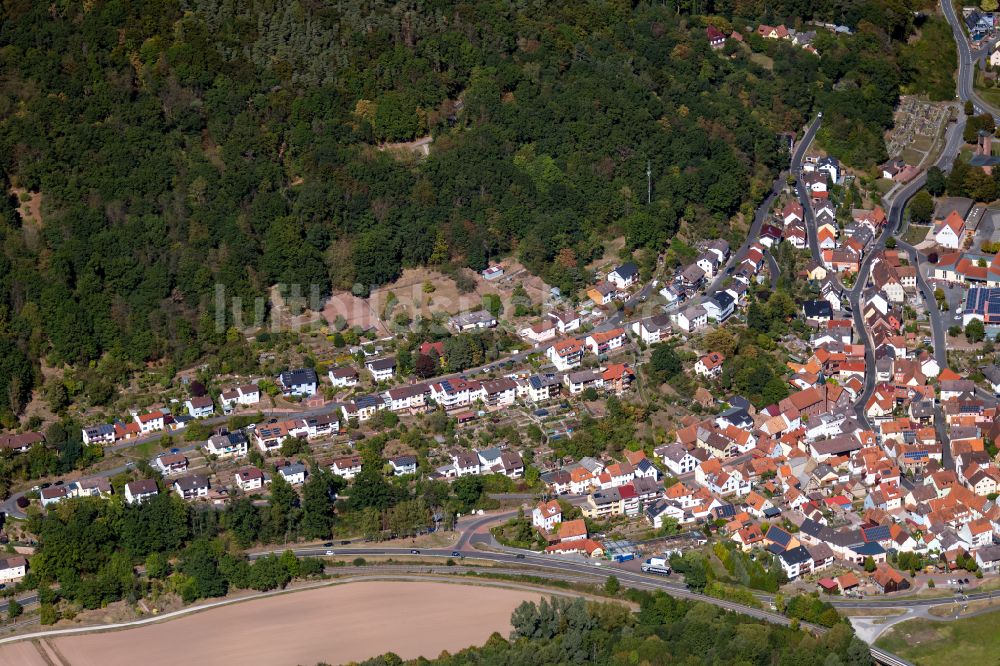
(182, 144)
(664, 631)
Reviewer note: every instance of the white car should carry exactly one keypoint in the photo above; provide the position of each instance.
(329, 553)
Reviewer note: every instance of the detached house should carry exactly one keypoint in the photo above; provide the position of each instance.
(191, 487)
(302, 382)
(200, 407)
(381, 369)
(603, 293)
(716, 39)
(248, 394)
(546, 515)
(151, 422)
(347, 467)
(709, 365)
(652, 329)
(566, 354)
(343, 377)
(951, 231)
(249, 478)
(624, 276)
(141, 490)
(227, 444)
(692, 319)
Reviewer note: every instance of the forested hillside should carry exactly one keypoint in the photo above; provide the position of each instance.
(179, 144)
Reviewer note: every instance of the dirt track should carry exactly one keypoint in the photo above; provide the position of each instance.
(334, 624)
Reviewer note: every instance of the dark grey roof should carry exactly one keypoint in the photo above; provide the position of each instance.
(192, 482)
(817, 308)
(290, 378)
(627, 270)
(381, 363)
(796, 555)
(723, 299)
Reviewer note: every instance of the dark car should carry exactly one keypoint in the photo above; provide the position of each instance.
(58, 483)
(45, 485)
(520, 556)
(327, 544)
(455, 553)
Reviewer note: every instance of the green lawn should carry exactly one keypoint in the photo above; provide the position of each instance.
(144, 450)
(915, 233)
(989, 94)
(973, 640)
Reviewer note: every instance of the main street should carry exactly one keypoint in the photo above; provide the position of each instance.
(966, 59)
(896, 207)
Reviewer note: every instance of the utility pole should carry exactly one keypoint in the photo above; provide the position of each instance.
(649, 182)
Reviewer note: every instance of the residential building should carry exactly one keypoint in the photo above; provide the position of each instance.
(99, 434)
(140, 490)
(248, 394)
(343, 377)
(691, 319)
(471, 321)
(249, 478)
(13, 568)
(580, 381)
(381, 369)
(950, 232)
(302, 382)
(652, 329)
(546, 515)
(170, 463)
(151, 422)
(21, 442)
(347, 467)
(226, 444)
(602, 293)
(294, 473)
(709, 365)
(605, 342)
(200, 406)
(53, 495)
(403, 464)
(191, 487)
(566, 354)
(624, 276)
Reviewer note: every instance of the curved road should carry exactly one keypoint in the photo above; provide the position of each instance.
(895, 207)
(966, 56)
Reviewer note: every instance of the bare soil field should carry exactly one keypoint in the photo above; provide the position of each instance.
(336, 624)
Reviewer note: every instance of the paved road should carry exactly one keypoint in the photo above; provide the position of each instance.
(966, 56)
(772, 269)
(895, 208)
(805, 201)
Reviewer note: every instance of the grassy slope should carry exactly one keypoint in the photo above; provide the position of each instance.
(973, 640)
